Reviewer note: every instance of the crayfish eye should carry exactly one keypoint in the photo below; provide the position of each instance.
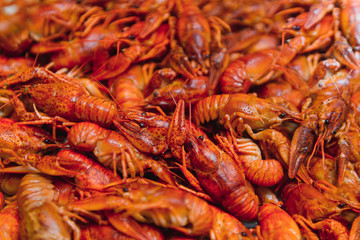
(131, 37)
(48, 141)
(334, 132)
(201, 137)
(341, 205)
(156, 94)
(243, 234)
(143, 114)
(207, 56)
(142, 125)
(296, 28)
(282, 115)
(192, 57)
(326, 122)
(125, 189)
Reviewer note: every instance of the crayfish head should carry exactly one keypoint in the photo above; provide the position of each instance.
(147, 138)
(48, 143)
(295, 26)
(39, 140)
(155, 124)
(204, 154)
(332, 119)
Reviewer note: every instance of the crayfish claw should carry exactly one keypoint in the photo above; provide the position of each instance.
(301, 148)
(219, 60)
(176, 134)
(179, 61)
(344, 53)
(318, 11)
(342, 159)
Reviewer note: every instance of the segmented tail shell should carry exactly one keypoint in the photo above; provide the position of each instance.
(83, 136)
(258, 171)
(91, 174)
(208, 108)
(34, 190)
(265, 172)
(110, 148)
(39, 215)
(127, 94)
(234, 78)
(94, 109)
(10, 183)
(242, 203)
(272, 219)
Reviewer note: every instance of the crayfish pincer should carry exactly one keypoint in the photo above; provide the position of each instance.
(57, 95)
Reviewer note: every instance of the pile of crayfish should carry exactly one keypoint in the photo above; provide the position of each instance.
(179, 119)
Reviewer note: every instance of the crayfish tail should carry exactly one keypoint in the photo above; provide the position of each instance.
(243, 203)
(265, 172)
(209, 108)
